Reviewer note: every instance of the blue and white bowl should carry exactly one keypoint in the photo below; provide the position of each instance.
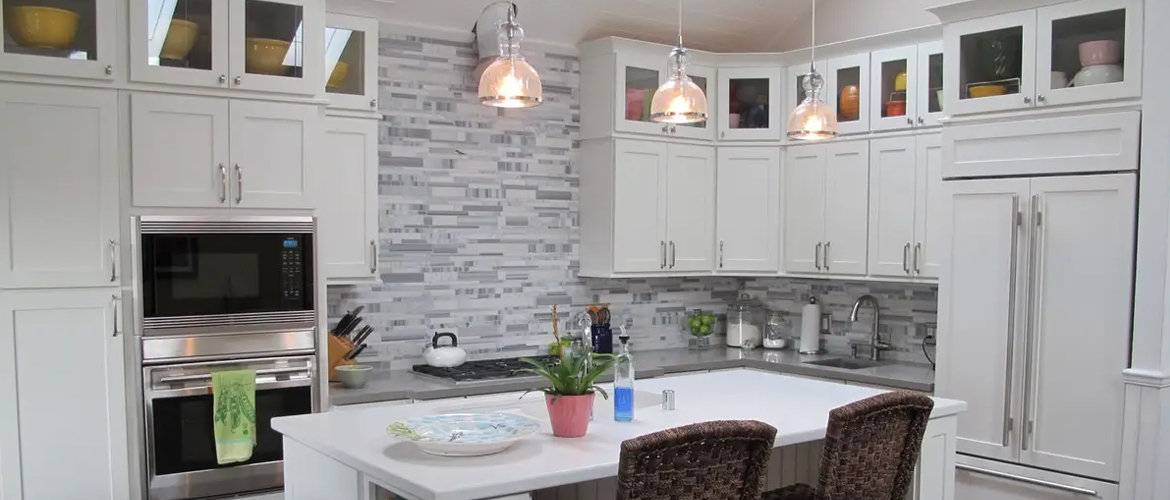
(464, 434)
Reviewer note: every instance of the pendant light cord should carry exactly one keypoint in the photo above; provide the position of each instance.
(680, 5)
(812, 63)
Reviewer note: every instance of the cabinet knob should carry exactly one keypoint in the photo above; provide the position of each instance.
(1027, 100)
(723, 135)
(222, 79)
(910, 122)
(665, 128)
(673, 129)
(373, 103)
(1040, 98)
(109, 70)
(238, 80)
(921, 121)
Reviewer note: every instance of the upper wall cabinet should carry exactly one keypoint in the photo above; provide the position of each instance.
(748, 209)
(351, 61)
(826, 207)
(72, 38)
(905, 86)
(59, 215)
(246, 44)
(749, 100)
(625, 82)
(847, 92)
(930, 84)
(1074, 52)
(349, 223)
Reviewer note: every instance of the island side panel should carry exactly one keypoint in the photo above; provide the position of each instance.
(309, 475)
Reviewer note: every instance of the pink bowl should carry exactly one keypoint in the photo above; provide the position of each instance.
(1100, 52)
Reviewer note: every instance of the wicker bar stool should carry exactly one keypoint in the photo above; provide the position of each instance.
(718, 460)
(871, 448)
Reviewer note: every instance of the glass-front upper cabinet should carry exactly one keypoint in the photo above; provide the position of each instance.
(72, 38)
(1088, 51)
(638, 77)
(893, 88)
(749, 104)
(351, 62)
(930, 84)
(995, 69)
(847, 92)
(277, 45)
(181, 42)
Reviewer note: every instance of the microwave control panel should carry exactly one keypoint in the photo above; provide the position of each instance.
(292, 272)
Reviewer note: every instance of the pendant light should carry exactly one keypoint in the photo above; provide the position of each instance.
(678, 100)
(812, 120)
(509, 81)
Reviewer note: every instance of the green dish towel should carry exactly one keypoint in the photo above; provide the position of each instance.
(234, 403)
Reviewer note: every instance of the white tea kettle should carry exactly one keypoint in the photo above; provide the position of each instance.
(445, 356)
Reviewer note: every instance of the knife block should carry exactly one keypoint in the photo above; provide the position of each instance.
(338, 348)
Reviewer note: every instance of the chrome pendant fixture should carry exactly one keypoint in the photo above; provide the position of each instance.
(509, 81)
(813, 119)
(678, 99)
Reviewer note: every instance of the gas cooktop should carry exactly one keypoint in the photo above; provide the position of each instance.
(482, 371)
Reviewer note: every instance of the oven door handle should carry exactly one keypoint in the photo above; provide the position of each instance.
(207, 376)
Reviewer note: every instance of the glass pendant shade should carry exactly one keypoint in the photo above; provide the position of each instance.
(812, 120)
(678, 100)
(509, 81)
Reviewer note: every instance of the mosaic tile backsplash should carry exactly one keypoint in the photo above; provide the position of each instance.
(478, 216)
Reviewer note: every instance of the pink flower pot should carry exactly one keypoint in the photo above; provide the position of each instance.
(569, 414)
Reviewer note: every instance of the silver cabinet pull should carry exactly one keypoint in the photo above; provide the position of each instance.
(910, 122)
(673, 129)
(1040, 98)
(222, 79)
(921, 121)
(373, 103)
(662, 265)
(917, 252)
(1016, 224)
(239, 184)
(373, 257)
(906, 258)
(1022, 479)
(1029, 332)
(113, 261)
(723, 135)
(672, 254)
(114, 299)
(109, 70)
(817, 256)
(223, 188)
(720, 254)
(826, 256)
(1027, 100)
(665, 128)
(238, 80)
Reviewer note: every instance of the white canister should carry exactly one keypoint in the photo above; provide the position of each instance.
(810, 327)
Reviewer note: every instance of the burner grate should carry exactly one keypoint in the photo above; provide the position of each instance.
(488, 369)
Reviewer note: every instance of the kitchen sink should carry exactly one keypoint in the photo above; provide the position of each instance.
(847, 364)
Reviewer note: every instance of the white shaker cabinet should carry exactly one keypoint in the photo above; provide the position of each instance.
(348, 210)
(91, 53)
(748, 209)
(62, 396)
(272, 150)
(180, 151)
(1036, 298)
(646, 207)
(59, 186)
(825, 200)
(905, 182)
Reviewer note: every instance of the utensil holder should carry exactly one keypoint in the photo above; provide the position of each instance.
(338, 348)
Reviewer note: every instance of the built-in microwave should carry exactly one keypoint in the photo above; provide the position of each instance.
(215, 287)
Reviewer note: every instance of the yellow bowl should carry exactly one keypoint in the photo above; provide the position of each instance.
(265, 55)
(900, 82)
(42, 27)
(337, 77)
(986, 91)
(180, 38)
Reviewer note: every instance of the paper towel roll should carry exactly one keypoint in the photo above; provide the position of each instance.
(810, 328)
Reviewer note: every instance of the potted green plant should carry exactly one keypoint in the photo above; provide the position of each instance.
(569, 397)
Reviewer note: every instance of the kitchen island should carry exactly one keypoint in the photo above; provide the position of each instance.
(347, 455)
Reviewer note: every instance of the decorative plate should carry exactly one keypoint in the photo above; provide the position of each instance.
(464, 434)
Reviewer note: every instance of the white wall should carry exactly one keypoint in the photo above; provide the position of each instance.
(840, 20)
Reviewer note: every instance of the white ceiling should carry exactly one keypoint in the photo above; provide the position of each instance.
(714, 25)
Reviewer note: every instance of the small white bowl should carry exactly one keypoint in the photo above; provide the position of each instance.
(1098, 75)
(354, 376)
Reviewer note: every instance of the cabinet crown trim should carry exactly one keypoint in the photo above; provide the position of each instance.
(1146, 378)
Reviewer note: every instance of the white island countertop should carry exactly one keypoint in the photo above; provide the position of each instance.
(797, 407)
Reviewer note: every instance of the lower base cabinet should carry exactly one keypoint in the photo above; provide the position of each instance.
(62, 396)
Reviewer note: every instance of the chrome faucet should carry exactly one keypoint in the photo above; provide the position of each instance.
(876, 346)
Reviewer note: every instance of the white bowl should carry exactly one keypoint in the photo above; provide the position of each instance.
(464, 434)
(1097, 75)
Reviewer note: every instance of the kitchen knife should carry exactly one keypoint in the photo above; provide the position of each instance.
(349, 328)
(361, 335)
(354, 353)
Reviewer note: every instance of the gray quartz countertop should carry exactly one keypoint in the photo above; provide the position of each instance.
(392, 385)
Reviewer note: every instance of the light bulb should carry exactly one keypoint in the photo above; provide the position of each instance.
(812, 120)
(678, 99)
(509, 81)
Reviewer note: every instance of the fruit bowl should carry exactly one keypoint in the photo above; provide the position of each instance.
(265, 56)
(41, 27)
(180, 39)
